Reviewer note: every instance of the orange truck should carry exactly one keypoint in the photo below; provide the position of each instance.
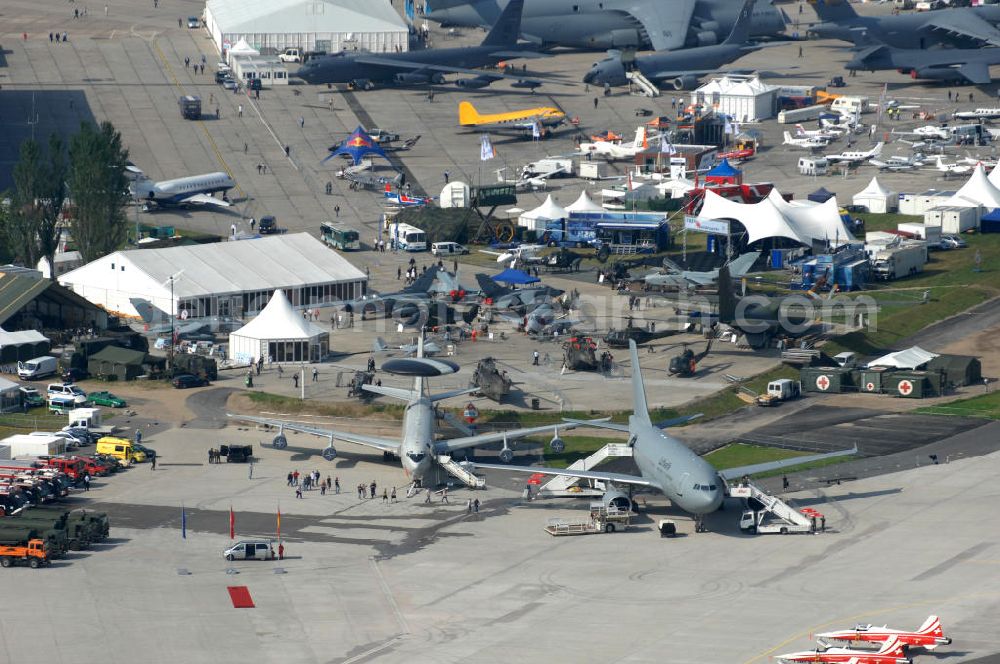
(34, 554)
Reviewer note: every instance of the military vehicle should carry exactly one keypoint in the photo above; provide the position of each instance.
(563, 260)
(686, 364)
(492, 382)
(357, 386)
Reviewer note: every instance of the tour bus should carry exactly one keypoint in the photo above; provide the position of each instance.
(408, 238)
(341, 238)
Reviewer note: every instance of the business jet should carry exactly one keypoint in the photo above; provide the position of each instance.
(190, 190)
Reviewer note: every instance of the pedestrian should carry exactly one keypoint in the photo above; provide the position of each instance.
(315, 374)
(287, 150)
(784, 482)
(64, 37)
(949, 95)
(86, 482)
(302, 122)
(322, 489)
(152, 466)
(444, 495)
(468, 506)
(259, 168)
(336, 484)
(595, 102)
(399, 273)
(447, 176)
(475, 506)
(253, 222)
(178, 22)
(372, 487)
(385, 496)
(392, 496)
(800, 48)
(50, 37)
(289, 483)
(295, 379)
(298, 492)
(281, 551)
(295, 477)
(970, 97)
(534, 358)
(105, 10)
(239, 110)
(250, 476)
(202, 67)
(232, 230)
(428, 498)
(336, 210)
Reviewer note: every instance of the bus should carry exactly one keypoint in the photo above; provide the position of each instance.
(341, 238)
(408, 238)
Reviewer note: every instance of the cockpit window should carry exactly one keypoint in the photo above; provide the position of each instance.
(416, 457)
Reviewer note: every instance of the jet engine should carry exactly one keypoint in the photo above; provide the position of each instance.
(506, 455)
(937, 74)
(418, 79)
(362, 84)
(475, 83)
(684, 82)
(613, 498)
(557, 444)
(279, 442)
(707, 38)
(330, 453)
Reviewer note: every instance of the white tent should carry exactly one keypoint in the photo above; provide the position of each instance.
(584, 204)
(802, 221)
(279, 333)
(243, 48)
(547, 211)
(675, 188)
(877, 198)
(911, 358)
(994, 176)
(745, 98)
(978, 189)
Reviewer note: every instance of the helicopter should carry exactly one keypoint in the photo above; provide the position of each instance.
(685, 365)
(580, 354)
(492, 382)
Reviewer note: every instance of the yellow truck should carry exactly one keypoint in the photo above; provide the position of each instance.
(120, 448)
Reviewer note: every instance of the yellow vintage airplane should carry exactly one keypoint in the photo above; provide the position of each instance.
(543, 117)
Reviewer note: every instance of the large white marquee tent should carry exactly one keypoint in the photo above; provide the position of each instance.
(280, 334)
(804, 222)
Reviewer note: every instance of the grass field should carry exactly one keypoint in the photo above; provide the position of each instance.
(984, 405)
(295, 406)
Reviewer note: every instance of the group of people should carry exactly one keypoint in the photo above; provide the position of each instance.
(311, 481)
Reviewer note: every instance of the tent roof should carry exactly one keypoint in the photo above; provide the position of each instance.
(8, 385)
(774, 217)
(279, 321)
(21, 337)
(911, 358)
(547, 210)
(289, 260)
(512, 276)
(994, 175)
(118, 355)
(271, 16)
(243, 48)
(978, 189)
(584, 204)
(874, 189)
(736, 85)
(358, 145)
(724, 169)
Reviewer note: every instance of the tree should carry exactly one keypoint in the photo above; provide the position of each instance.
(32, 223)
(49, 225)
(99, 189)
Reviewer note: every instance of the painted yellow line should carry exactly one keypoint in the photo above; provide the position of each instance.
(215, 147)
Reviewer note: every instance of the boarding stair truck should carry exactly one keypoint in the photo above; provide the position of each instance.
(773, 516)
(33, 554)
(562, 486)
(783, 389)
(39, 367)
(462, 471)
(804, 114)
(900, 261)
(640, 85)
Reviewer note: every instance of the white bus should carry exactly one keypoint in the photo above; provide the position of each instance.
(408, 238)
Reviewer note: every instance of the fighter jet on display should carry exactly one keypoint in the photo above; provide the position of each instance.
(665, 463)
(616, 24)
(417, 449)
(928, 636)
(968, 27)
(676, 277)
(679, 69)
(363, 70)
(501, 298)
(891, 652)
(190, 190)
(948, 65)
(155, 322)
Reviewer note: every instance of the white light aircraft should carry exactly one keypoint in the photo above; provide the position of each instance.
(806, 142)
(612, 150)
(856, 156)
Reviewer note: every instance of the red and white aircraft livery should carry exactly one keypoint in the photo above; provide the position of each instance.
(929, 635)
(891, 652)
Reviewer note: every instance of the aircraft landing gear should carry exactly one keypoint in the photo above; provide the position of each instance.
(699, 525)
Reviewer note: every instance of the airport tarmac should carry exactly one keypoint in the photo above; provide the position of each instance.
(365, 581)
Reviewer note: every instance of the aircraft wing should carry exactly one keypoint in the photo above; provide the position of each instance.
(733, 473)
(382, 444)
(376, 61)
(619, 478)
(445, 446)
(205, 199)
(975, 72)
(965, 24)
(666, 23)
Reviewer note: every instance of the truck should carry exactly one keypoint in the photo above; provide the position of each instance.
(33, 553)
(761, 522)
(550, 167)
(40, 367)
(796, 115)
(783, 389)
(603, 519)
(90, 419)
(25, 445)
(898, 262)
(930, 234)
(120, 448)
(594, 170)
(293, 54)
(190, 107)
(850, 105)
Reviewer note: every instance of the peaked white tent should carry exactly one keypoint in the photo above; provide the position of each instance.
(802, 221)
(978, 189)
(280, 334)
(994, 176)
(877, 198)
(675, 187)
(584, 204)
(911, 358)
(243, 48)
(548, 211)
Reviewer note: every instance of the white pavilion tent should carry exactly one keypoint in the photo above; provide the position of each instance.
(548, 211)
(280, 334)
(584, 204)
(877, 198)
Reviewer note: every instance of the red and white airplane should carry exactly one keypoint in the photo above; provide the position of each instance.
(891, 652)
(929, 635)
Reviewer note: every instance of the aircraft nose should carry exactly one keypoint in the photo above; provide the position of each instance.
(590, 77)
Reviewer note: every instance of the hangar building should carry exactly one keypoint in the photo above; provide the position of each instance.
(229, 279)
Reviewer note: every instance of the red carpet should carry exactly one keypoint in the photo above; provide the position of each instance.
(241, 597)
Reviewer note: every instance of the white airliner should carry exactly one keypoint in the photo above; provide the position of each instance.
(612, 150)
(191, 190)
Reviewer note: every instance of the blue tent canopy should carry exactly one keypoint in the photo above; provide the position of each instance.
(512, 276)
(358, 145)
(724, 169)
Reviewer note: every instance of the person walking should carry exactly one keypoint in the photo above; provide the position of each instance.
(289, 483)
(468, 506)
(372, 488)
(534, 358)
(250, 475)
(152, 466)
(86, 482)
(475, 506)
(298, 492)
(315, 375)
(444, 496)
(427, 500)
(295, 379)
(336, 485)
(385, 496)
(295, 477)
(281, 551)
(392, 496)
(239, 110)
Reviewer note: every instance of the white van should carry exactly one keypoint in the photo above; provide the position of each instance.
(448, 249)
(849, 105)
(40, 367)
(250, 550)
(68, 390)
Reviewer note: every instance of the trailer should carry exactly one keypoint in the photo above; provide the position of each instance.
(594, 170)
(901, 261)
(601, 520)
(33, 446)
(796, 115)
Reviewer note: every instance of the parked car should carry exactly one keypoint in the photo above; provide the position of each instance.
(83, 433)
(952, 242)
(187, 380)
(107, 399)
(74, 374)
(229, 83)
(194, 22)
(32, 397)
(267, 225)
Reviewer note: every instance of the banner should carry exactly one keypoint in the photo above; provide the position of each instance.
(184, 523)
(487, 151)
(408, 8)
(536, 130)
(279, 522)
(706, 225)
(666, 146)
(232, 523)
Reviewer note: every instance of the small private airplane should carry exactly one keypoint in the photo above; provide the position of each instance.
(952, 169)
(190, 190)
(542, 118)
(856, 156)
(612, 150)
(805, 142)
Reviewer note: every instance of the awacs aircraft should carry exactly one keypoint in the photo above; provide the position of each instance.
(966, 26)
(676, 277)
(680, 69)
(928, 636)
(891, 652)
(665, 463)
(949, 65)
(612, 150)
(190, 190)
(418, 450)
(155, 321)
(426, 66)
(856, 156)
(543, 117)
(616, 24)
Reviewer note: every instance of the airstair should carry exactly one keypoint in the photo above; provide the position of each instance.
(639, 84)
(563, 486)
(773, 505)
(461, 472)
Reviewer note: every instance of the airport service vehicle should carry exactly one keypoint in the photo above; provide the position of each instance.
(68, 390)
(850, 105)
(31, 396)
(193, 22)
(190, 107)
(108, 399)
(89, 419)
(448, 249)
(250, 550)
(291, 55)
(185, 381)
(40, 367)
(267, 225)
(407, 237)
(928, 636)
(891, 652)
(120, 448)
(603, 519)
(33, 554)
(794, 115)
(344, 239)
(236, 453)
(784, 389)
